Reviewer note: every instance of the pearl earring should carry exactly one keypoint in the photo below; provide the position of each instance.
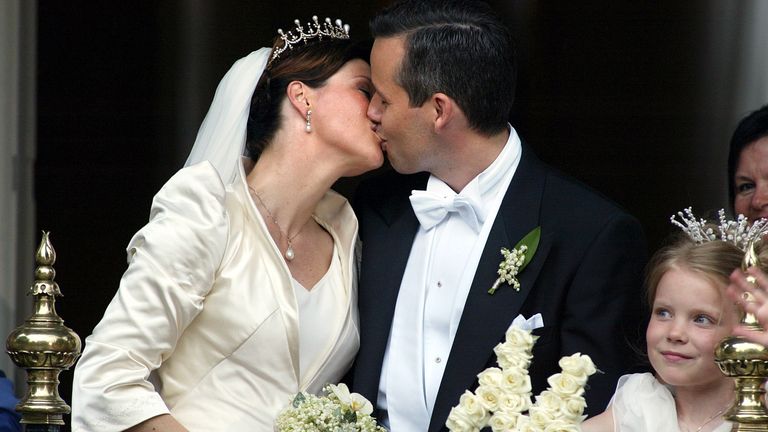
(309, 121)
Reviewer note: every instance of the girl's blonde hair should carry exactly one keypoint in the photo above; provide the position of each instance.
(715, 260)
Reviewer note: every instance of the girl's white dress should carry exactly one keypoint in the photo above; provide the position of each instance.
(643, 404)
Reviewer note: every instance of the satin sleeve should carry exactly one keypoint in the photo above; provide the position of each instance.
(172, 265)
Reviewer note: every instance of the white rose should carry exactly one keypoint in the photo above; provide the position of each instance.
(491, 377)
(489, 397)
(511, 357)
(551, 402)
(578, 365)
(516, 380)
(565, 384)
(474, 408)
(520, 338)
(561, 426)
(511, 349)
(503, 422)
(460, 421)
(574, 408)
(540, 417)
(514, 403)
(524, 424)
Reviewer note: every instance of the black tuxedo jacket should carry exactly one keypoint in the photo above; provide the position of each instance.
(585, 279)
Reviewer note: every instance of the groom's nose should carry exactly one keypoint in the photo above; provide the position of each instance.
(374, 109)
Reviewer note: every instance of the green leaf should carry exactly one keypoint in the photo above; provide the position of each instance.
(298, 400)
(349, 416)
(531, 240)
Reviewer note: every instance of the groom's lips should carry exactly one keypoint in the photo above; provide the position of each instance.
(382, 141)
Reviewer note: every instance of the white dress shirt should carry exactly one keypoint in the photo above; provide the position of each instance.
(434, 288)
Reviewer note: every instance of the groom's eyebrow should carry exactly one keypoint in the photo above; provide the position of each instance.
(381, 94)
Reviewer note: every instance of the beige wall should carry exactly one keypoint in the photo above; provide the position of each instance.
(17, 149)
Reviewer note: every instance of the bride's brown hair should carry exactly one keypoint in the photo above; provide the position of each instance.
(312, 64)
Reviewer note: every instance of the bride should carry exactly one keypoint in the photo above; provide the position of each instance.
(241, 289)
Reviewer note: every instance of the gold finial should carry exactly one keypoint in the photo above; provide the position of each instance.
(43, 346)
(747, 363)
(750, 260)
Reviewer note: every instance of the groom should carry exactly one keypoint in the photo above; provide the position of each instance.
(444, 75)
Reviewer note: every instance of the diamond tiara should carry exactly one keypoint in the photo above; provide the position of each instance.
(738, 232)
(314, 30)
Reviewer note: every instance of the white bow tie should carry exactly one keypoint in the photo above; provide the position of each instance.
(432, 208)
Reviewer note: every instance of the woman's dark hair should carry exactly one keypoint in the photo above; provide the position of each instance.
(312, 64)
(750, 129)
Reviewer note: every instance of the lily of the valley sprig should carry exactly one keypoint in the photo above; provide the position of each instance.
(516, 259)
(338, 410)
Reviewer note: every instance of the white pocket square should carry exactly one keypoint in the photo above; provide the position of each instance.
(530, 324)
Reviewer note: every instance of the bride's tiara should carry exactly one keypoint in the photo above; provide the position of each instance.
(738, 232)
(315, 29)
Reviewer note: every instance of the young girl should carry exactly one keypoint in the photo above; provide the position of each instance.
(691, 314)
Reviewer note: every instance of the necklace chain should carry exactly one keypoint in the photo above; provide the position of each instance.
(709, 419)
(289, 252)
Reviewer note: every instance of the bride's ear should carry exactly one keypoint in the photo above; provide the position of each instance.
(299, 96)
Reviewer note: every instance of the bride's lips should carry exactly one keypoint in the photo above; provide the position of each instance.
(382, 141)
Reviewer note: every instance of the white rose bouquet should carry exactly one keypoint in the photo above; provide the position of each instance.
(504, 394)
(338, 411)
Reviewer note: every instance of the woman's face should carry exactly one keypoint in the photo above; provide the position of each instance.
(751, 181)
(339, 118)
(690, 317)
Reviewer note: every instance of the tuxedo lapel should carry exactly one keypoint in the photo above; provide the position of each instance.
(486, 317)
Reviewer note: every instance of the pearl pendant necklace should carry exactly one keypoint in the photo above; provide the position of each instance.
(289, 253)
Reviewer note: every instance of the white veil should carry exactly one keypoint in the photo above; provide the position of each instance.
(221, 138)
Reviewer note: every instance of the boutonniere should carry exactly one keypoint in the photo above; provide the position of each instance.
(516, 259)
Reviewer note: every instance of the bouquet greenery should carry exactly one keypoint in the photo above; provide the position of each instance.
(337, 411)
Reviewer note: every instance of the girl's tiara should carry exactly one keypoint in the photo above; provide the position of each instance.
(738, 232)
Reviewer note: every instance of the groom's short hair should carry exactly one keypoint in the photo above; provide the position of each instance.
(456, 47)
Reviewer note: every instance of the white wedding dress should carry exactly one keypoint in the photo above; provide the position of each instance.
(206, 324)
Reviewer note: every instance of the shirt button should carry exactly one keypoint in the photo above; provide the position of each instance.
(438, 359)
(439, 284)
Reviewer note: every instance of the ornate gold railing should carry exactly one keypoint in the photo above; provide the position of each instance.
(43, 346)
(747, 363)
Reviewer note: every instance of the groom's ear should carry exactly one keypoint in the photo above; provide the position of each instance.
(444, 110)
(299, 95)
